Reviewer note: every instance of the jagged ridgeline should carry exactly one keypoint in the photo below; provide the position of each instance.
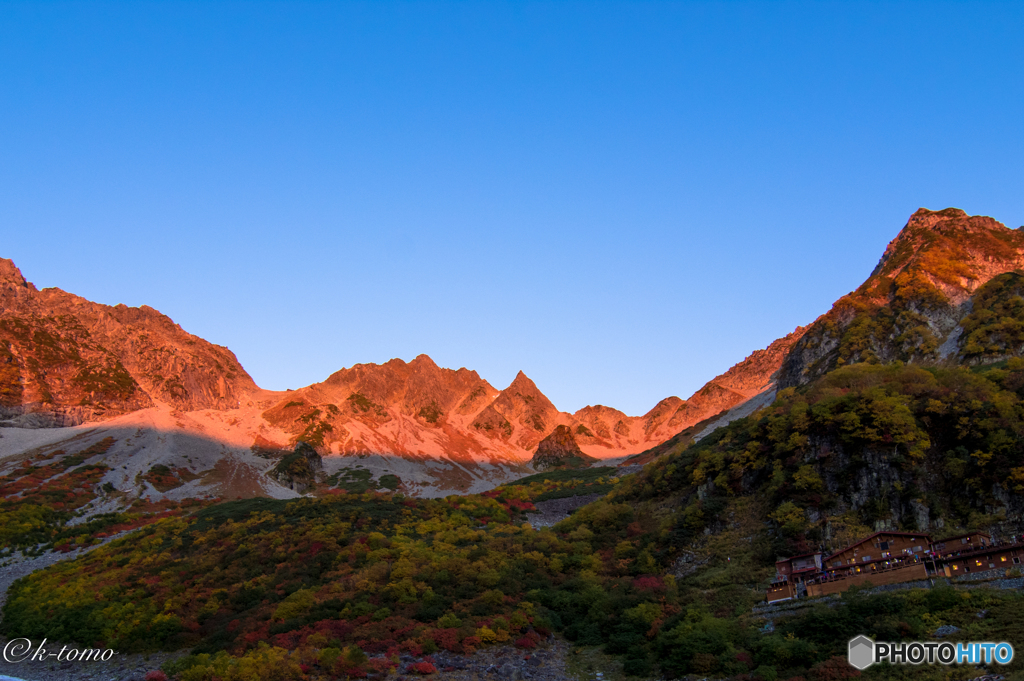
(900, 409)
(132, 374)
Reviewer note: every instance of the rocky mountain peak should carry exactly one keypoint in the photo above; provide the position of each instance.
(523, 393)
(560, 449)
(14, 289)
(670, 403)
(952, 249)
(927, 218)
(423, 360)
(10, 274)
(522, 381)
(911, 304)
(69, 360)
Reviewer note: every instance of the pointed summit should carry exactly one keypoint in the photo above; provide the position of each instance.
(912, 302)
(11, 277)
(522, 380)
(522, 390)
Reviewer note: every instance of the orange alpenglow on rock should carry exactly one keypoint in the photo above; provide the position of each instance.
(913, 306)
(169, 399)
(66, 360)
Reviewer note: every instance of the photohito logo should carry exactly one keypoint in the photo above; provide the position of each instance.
(863, 652)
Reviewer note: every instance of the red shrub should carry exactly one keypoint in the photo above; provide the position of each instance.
(422, 668)
(155, 675)
(833, 669)
(448, 639)
(648, 583)
(376, 647)
(382, 665)
(526, 642)
(521, 505)
(413, 648)
(338, 629)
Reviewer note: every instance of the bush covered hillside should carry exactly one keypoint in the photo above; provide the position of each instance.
(865, 446)
(663, 571)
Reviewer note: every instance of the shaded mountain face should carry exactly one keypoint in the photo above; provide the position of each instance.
(900, 408)
(560, 449)
(937, 283)
(65, 360)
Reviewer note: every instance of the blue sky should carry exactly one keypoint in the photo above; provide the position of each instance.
(620, 199)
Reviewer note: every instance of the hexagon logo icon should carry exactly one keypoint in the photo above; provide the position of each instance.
(861, 652)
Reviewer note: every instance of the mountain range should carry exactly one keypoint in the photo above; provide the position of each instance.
(71, 369)
(900, 410)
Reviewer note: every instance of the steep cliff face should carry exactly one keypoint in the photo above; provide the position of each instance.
(911, 307)
(66, 360)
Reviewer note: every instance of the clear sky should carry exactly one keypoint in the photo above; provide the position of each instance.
(620, 199)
